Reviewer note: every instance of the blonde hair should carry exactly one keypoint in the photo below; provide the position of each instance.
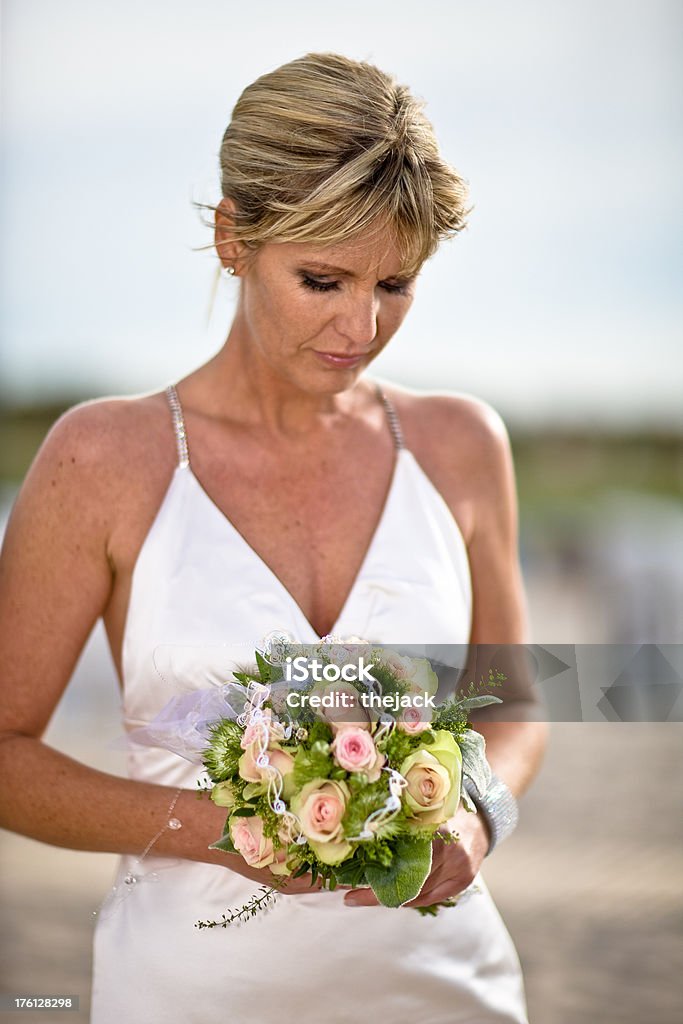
(325, 149)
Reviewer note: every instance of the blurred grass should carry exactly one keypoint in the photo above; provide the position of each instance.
(554, 469)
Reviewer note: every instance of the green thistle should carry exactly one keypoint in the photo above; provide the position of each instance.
(224, 751)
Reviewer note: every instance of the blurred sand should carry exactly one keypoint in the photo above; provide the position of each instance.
(589, 885)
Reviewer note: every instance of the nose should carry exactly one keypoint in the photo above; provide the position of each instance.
(358, 321)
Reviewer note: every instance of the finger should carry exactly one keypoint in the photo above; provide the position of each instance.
(436, 895)
(361, 898)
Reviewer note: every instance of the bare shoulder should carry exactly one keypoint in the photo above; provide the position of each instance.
(88, 469)
(109, 433)
(445, 423)
(462, 444)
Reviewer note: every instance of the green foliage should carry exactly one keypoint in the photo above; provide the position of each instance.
(453, 713)
(389, 684)
(312, 764)
(399, 745)
(250, 909)
(402, 878)
(224, 751)
(319, 731)
(272, 822)
(225, 844)
(451, 716)
(364, 800)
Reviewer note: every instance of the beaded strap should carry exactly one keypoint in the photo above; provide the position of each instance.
(178, 426)
(392, 417)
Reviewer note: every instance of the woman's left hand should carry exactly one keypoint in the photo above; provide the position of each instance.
(454, 865)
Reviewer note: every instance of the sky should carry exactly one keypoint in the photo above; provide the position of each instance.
(560, 304)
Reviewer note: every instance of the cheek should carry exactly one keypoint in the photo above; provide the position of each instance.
(286, 311)
(393, 312)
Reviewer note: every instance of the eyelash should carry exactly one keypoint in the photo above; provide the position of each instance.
(330, 286)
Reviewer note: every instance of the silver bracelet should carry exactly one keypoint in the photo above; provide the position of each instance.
(497, 806)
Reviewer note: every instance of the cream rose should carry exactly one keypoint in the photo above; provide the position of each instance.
(433, 774)
(223, 794)
(354, 751)
(281, 759)
(257, 728)
(320, 806)
(421, 677)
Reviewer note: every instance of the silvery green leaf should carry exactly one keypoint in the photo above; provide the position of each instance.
(403, 879)
(479, 702)
(474, 764)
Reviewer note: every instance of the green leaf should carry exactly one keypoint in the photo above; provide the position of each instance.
(244, 812)
(479, 702)
(403, 879)
(225, 844)
(474, 764)
(351, 872)
(312, 764)
(263, 668)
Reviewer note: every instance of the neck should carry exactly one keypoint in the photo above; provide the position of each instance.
(287, 401)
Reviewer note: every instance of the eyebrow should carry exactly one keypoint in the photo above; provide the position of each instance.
(328, 268)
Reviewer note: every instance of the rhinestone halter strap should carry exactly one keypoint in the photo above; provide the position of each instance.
(178, 426)
(392, 417)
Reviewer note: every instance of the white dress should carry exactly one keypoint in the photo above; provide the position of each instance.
(309, 959)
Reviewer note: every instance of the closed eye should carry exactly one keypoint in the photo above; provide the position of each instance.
(329, 286)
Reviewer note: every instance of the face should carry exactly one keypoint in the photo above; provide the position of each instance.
(319, 315)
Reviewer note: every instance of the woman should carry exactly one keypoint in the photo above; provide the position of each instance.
(276, 487)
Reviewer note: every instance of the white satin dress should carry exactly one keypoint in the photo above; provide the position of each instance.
(309, 959)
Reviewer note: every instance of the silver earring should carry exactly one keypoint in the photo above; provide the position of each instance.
(229, 271)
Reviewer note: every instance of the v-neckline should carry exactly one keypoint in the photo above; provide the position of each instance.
(369, 551)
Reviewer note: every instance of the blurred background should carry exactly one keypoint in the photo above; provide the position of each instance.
(561, 305)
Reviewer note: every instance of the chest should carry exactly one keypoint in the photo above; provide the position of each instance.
(311, 526)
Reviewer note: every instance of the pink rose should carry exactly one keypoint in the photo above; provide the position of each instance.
(411, 720)
(248, 839)
(354, 751)
(320, 807)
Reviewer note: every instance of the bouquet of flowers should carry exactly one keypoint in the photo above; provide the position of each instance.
(334, 759)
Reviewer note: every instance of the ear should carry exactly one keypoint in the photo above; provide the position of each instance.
(229, 250)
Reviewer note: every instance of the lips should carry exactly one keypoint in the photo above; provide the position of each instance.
(340, 358)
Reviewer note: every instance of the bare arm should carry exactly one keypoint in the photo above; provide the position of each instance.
(515, 733)
(56, 578)
(514, 747)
